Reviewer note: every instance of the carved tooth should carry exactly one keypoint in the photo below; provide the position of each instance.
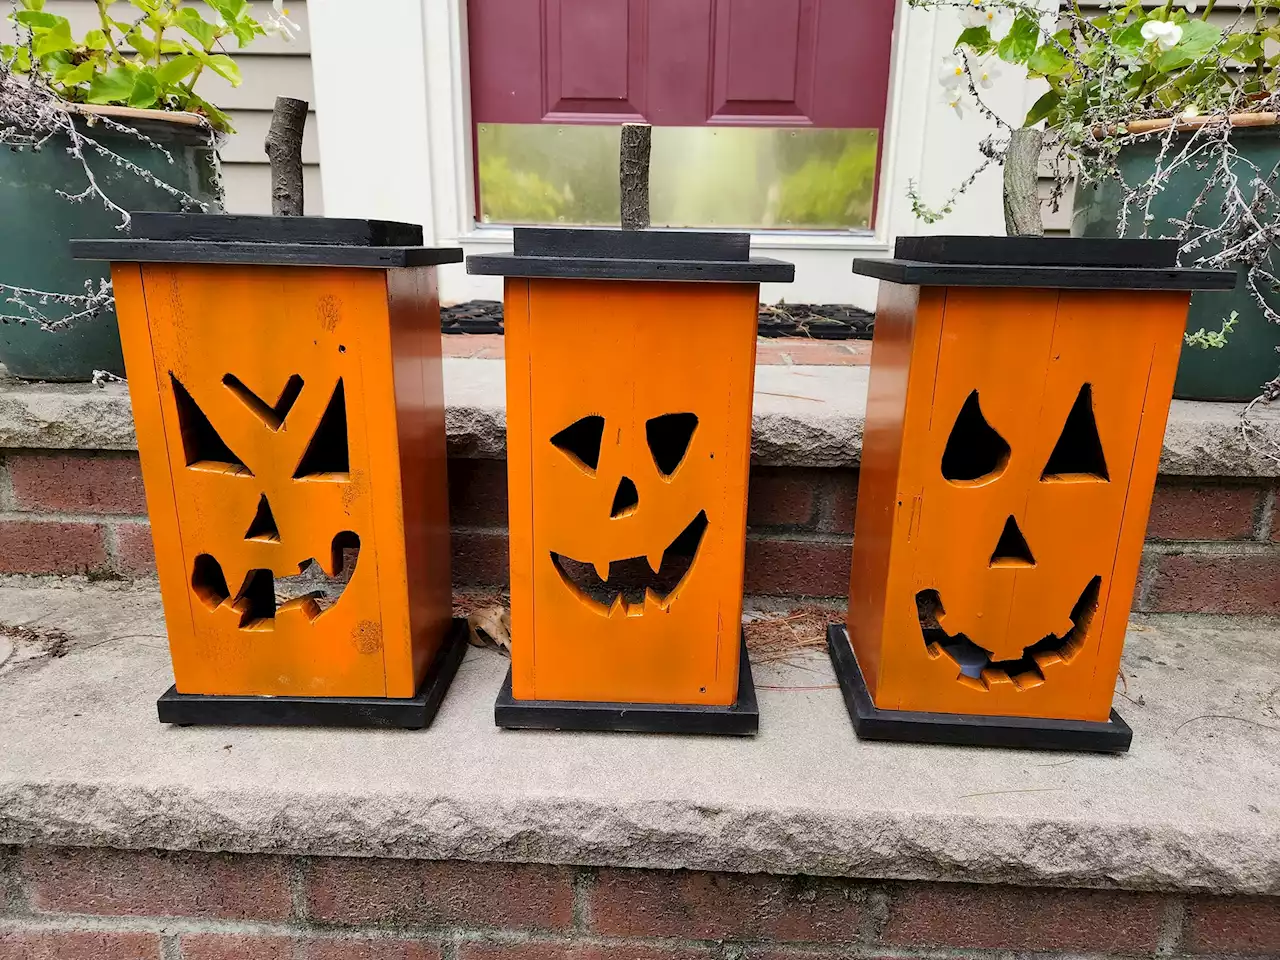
(655, 561)
(602, 570)
(653, 601)
(618, 608)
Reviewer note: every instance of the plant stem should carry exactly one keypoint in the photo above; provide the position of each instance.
(107, 25)
(195, 75)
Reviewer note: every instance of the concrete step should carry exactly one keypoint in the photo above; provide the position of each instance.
(1194, 806)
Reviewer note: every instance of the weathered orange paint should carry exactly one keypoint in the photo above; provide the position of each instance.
(1027, 353)
(629, 352)
(233, 337)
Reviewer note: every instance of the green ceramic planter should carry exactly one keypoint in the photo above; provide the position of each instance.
(1238, 370)
(38, 223)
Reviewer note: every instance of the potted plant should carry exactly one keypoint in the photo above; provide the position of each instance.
(96, 126)
(1166, 117)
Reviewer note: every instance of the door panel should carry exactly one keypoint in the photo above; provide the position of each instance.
(594, 58)
(822, 63)
(763, 59)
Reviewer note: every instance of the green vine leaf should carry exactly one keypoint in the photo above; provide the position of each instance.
(222, 65)
(73, 76)
(55, 40)
(1048, 61)
(1020, 42)
(38, 18)
(190, 20)
(114, 86)
(977, 39)
(229, 10)
(177, 69)
(1198, 38)
(1042, 108)
(145, 91)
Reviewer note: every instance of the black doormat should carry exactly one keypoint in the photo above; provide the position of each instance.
(806, 321)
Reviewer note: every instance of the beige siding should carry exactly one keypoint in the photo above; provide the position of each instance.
(271, 67)
(248, 187)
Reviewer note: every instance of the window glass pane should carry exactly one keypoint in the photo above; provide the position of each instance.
(787, 178)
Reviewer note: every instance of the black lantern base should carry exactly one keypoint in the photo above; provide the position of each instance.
(1030, 733)
(187, 709)
(739, 719)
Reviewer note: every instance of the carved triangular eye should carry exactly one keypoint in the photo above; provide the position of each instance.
(581, 440)
(1078, 456)
(327, 456)
(975, 451)
(669, 436)
(203, 448)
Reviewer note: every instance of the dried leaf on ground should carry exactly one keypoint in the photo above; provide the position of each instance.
(490, 627)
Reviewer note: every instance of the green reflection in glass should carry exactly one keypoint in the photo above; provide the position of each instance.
(784, 178)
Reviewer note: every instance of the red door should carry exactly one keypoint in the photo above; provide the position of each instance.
(681, 63)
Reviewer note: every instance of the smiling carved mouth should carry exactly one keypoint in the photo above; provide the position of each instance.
(262, 595)
(627, 585)
(977, 669)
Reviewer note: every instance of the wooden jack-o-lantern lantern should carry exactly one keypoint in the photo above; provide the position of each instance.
(1015, 415)
(630, 363)
(286, 385)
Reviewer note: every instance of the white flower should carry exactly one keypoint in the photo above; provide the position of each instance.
(955, 98)
(1191, 6)
(1164, 35)
(1191, 112)
(952, 72)
(279, 25)
(997, 20)
(984, 71)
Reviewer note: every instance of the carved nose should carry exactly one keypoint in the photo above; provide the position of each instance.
(1012, 549)
(625, 500)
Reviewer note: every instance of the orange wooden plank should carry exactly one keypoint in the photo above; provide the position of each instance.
(144, 395)
(1028, 451)
(227, 343)
(620, 356)
(516, 327)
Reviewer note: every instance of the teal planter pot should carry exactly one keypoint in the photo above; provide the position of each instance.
(39, 222)
(1238, 370)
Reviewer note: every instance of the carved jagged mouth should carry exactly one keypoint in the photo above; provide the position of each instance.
(975, 663)
(263, 595)
(628, 586)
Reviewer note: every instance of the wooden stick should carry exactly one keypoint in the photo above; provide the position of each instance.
(133, 113)
(1021, 201)
(284, 149)
(1265, 119)
(633, 179)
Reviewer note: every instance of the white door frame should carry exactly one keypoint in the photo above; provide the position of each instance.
(393, 107)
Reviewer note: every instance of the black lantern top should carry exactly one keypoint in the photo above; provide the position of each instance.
(589, 254)
(298, 241)
(1060, 262)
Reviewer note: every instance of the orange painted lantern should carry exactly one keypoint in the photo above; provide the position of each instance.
(630, 364)
(286, 384)
(1015, 417)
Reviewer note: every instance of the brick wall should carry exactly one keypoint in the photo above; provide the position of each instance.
(1213, 546)
(113, 905)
